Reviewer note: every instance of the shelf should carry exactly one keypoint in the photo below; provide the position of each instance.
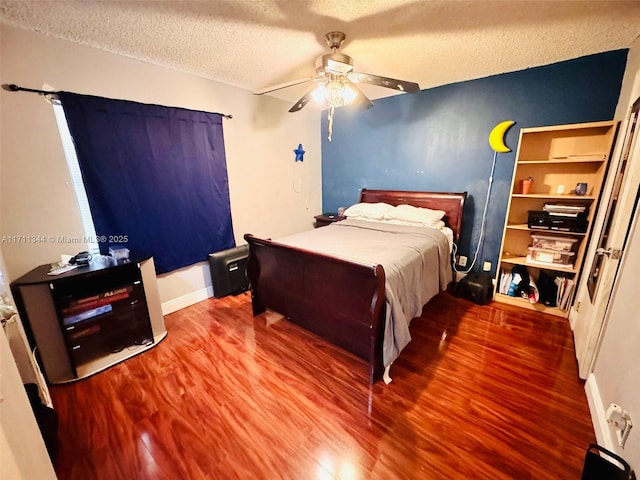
(525, 227)
(524, 303)
(602, 125)
(99, 364)
(552, 196)
(561, 160)
(521, 260)
(558, 158)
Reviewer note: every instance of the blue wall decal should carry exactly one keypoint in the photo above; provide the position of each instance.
(436, 139)
(299, 153)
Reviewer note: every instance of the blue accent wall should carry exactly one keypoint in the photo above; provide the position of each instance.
(437, 139)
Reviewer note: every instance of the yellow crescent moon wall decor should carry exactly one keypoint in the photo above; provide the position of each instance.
(496, 137)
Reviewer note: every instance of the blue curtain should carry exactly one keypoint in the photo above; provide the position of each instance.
(155, 176)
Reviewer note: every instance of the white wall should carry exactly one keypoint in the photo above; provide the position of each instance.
(35, 195)
(615, 373)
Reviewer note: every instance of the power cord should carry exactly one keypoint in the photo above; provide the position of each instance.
(297, 183)
(484, 221)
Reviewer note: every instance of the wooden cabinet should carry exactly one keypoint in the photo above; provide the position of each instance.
(88, 319)
(557, 158)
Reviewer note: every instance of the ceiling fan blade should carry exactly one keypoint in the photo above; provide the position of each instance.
(361, 101)
(402, 85)
(299, 105)
(280, 86)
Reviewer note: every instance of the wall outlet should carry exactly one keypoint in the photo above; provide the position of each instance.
(486, 266)
(462, 260)
(620, 420)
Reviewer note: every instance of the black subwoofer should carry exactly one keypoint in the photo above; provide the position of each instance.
(477, 287)
(229, 271)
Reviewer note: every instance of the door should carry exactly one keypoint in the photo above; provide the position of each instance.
(611, 229)
(615, 373)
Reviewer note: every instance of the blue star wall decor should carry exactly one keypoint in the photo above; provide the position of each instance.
(299, 153)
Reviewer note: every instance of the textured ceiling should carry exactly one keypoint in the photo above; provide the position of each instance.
(256, 43)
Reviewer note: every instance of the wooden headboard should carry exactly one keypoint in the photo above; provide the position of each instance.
(451, 203)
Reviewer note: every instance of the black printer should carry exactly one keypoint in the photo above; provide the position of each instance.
(561, 217)
(539, 219)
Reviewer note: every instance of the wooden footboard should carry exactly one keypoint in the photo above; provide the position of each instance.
(308, 287)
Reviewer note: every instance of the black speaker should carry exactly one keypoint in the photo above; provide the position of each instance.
(477, 287)
(229, 271)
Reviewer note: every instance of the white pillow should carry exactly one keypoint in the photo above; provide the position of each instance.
(437, 224)
(375, 211)
(365, 219)
(409, 213)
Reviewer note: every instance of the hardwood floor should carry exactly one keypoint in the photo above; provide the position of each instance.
(480, 392)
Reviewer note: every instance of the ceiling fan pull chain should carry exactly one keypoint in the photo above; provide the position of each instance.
(331, 110)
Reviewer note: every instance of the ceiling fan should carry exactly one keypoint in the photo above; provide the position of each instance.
(336, 81)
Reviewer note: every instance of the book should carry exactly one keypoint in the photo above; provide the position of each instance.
(567, 294)
(505, 282)
(87, 314)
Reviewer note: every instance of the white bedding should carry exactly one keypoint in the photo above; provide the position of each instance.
(416, 261)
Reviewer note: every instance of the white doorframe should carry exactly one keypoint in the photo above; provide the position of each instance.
(586, 316)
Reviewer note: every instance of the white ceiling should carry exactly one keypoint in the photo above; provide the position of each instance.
(256, 43)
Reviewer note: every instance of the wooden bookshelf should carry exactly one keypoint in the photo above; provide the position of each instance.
(557, 158)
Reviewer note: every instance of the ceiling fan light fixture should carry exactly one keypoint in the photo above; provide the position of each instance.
(339, 93)
(348, 95)
(335, 92)
(320, 94)
(337, 82)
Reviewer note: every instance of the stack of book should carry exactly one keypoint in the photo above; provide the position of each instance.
(507, 283)
(94, 306)
(565, 291)
(549, 289)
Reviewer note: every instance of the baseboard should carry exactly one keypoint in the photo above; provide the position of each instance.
(186, 300)
(460, 276)
(598, 414)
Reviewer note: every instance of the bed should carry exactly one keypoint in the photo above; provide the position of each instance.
(316, 281)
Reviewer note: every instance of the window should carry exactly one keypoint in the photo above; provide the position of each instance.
(155, 178)
(76, 178)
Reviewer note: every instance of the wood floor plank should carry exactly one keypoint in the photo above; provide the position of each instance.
(480, 392)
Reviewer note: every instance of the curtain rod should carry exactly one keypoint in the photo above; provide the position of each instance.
(15, 88)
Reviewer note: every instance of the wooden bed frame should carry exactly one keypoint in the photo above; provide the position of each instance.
(340, 301)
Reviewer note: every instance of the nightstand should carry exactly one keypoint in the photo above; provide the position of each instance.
(326, 218)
